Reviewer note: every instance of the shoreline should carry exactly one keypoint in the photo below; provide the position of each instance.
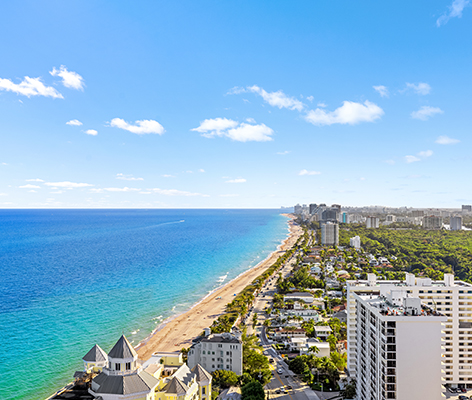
(178, 330)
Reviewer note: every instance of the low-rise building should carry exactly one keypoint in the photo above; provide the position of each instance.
(322, 332)
(306, 297)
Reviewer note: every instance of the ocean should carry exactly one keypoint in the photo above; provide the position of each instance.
(73, 278)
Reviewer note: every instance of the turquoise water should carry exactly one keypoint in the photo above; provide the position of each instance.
(73, 278)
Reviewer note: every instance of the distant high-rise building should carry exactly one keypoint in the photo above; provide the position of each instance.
(456, 223)
(390, 219)
(372, 222)
(345, 218)
(330, 234)
(355, 242)
(432, 222)
(330, 214)
(466, 208)
(313, 208)
(297, 209)
(417, 213)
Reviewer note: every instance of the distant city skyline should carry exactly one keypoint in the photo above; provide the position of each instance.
(225, 105)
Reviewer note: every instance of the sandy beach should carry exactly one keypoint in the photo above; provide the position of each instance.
(179, 331)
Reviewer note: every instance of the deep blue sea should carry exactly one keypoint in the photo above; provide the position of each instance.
(73, 278)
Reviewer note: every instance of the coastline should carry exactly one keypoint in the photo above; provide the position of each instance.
(179, 330)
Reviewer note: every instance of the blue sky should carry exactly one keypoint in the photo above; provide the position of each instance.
(235, 104)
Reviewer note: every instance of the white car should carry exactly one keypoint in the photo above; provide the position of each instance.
(280, 371)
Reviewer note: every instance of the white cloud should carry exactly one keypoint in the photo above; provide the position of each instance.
(455, 10)
(349, 113)
(421, 155)
(123, 189)
(128, 177)
(140, 128)
(322, 105)
(175, 192)
(446, 140)
(382, 90)
(243, 132)
(34, 180)
(247, 133)
(310, 98)
(306, 172)
(70, 79)
(276, 99)
(425, 112)
(283, 153)
(201, 170)
(426, 153)
(168, 176)
(215, 127)
(29, 186)
(91, 132)
(410, 159)
(74, 122)
(238, 180)
(251, 120)
(30, 87)
(420, 88)
(67, 184)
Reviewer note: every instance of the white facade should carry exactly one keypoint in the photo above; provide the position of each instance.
(216, 352)
(456, 223)
(451, 298)
(372, 222)
(355, 242)
(398, 349)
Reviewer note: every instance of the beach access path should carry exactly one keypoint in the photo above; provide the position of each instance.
(179, 331)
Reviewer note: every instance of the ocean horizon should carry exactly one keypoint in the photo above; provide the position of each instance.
(75, 277)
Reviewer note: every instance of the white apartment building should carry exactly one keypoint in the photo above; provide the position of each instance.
(451, 298)
(355, 242)
(456, 223)
(398, 347)
(305, 314)
(217, 351)
(330, 234)
(372, 222)
(432, 222)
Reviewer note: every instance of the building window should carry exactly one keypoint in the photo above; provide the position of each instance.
(109, 364)
(128, 366)
(117, 367)
(203, 390)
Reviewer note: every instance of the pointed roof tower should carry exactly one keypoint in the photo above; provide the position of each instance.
(95, 354)
(176, 386)
(123, 349)
(201, 374)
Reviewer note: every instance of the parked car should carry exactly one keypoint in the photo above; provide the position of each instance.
(289, 387)
(280, 370)
(461, 397)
